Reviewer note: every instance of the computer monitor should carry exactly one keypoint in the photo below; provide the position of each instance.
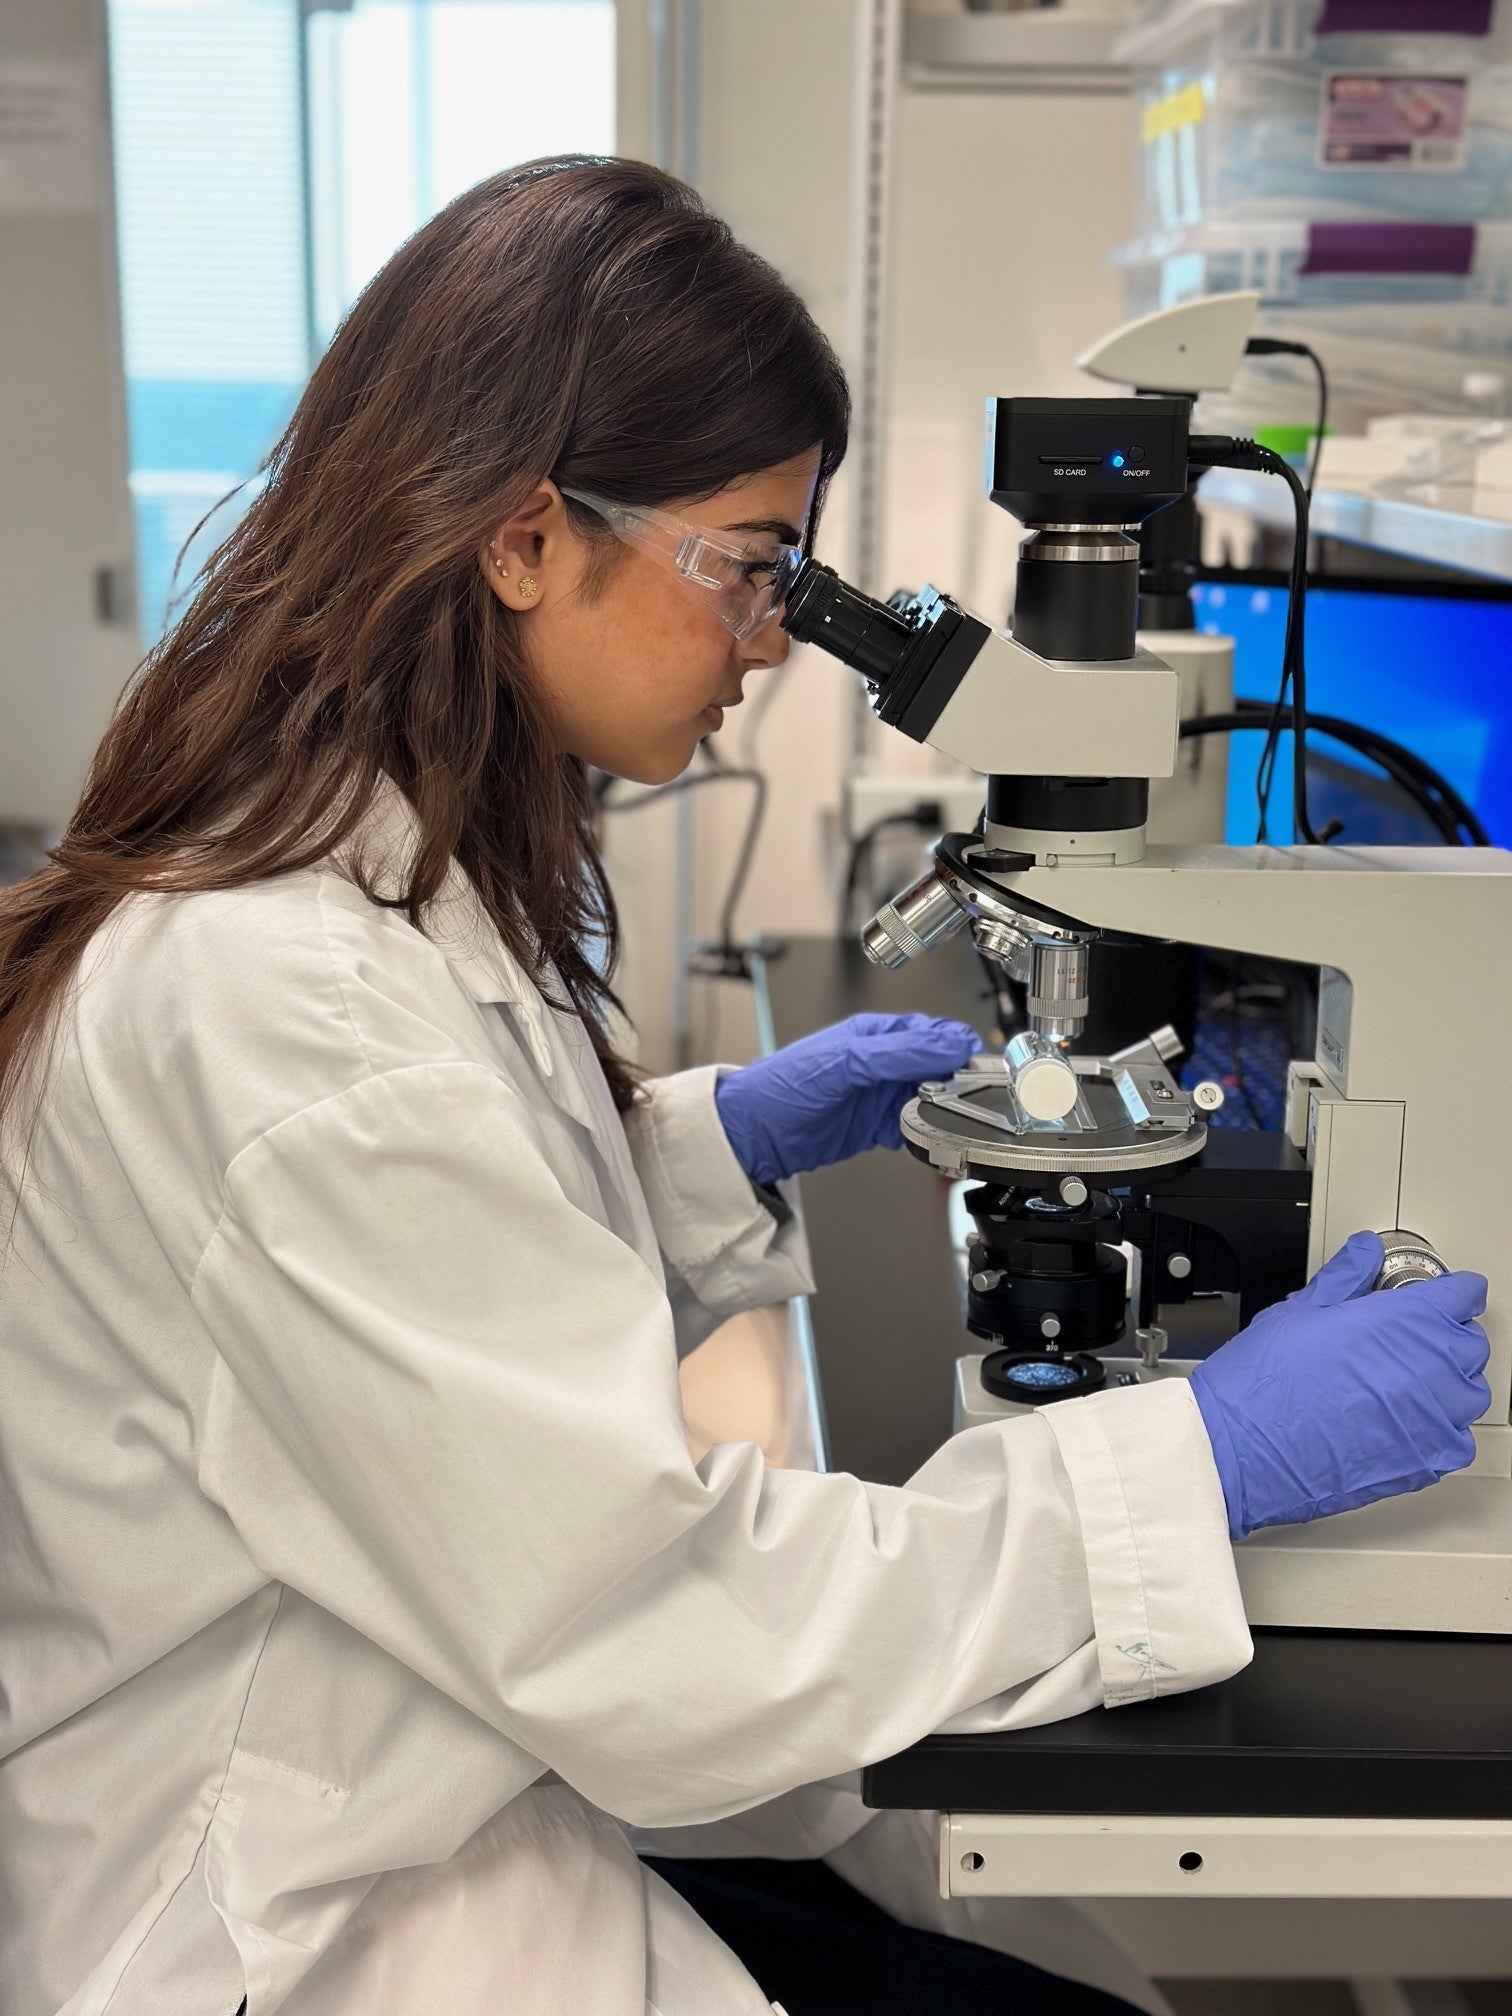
(1427, 664)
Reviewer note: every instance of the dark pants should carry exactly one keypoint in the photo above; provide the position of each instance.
(822, 1949)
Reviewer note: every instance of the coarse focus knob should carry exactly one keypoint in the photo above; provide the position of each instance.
(1409, 1257)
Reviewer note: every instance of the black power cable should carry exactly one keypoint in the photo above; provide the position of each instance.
(1430, 793)
(729, 957)
(1224, 451)
(927, 816)
(1275, 346)
(725, 945)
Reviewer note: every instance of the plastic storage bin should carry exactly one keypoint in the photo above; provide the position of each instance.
(1390, 265)
(1248, 110)
(1400, 314)
(1369, 374)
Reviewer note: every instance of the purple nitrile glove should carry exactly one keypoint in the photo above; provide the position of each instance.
(1337, 1396)
(837, 1092)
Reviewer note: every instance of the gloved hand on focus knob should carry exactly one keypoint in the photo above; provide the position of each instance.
(837, 1092)
(1337, 1396)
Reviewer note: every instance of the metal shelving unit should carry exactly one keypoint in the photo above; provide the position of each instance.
(1052, 50)
(1043, 50)
(895, 50)
(1449, 525)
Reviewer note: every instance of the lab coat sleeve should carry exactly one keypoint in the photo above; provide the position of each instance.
(444, 1406)
(1160, 1566)
(725, 1249)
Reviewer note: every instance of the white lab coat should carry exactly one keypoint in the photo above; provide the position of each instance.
(356, 1566)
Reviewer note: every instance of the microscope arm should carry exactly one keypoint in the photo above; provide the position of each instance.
(1412, 1098)
(1014, 713)
(1386, 922)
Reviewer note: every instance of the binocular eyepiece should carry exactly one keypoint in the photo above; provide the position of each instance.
(867, 635)
(912, 651)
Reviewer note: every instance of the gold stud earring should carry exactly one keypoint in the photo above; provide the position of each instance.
(527, 584)
(498, 566)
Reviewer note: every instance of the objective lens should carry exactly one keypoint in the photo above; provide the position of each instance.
(1057, 1000)
(822, 609)
(923, 915)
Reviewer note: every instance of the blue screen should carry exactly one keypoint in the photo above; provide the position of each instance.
(1431, 671)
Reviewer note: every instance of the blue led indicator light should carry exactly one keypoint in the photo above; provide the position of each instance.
(1118, 461)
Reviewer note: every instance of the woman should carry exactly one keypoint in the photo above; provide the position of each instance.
(357, 1569)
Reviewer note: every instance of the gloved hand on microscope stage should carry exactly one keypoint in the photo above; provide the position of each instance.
(1337, 1396)
(837, 1092)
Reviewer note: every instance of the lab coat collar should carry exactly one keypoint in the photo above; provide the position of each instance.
(384, 844)
(461, 929)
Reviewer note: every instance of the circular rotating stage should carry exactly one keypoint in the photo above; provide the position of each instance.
(1112, 1147)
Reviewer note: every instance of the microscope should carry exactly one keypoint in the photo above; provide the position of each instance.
(1108, 1219)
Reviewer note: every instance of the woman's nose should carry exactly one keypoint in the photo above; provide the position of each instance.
(767, 646)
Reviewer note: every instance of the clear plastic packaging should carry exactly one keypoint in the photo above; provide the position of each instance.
(1392, 340)
(1246, 111)
(1316, 265)
(1419, 367)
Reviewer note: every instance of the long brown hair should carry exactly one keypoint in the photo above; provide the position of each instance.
(582, 318)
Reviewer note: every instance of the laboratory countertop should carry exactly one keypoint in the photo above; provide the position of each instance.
(1322, 1723)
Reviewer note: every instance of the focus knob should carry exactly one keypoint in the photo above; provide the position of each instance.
(1409, 1257)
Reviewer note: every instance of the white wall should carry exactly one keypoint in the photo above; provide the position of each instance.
(64, 509)
(773, 144)
(1000, 278)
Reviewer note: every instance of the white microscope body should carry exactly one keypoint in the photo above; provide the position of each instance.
(1403, 1118)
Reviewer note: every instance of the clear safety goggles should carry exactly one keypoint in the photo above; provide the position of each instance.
(746, 580)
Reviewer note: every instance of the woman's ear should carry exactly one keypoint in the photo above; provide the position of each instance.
(523, 558)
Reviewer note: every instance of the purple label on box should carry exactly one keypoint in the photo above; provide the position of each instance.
(1406, 17)
(1382, 119)
(1390, 248)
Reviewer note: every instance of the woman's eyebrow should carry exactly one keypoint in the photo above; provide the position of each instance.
(779, 528)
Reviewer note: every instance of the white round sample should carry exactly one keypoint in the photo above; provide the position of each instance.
(1046, 1088)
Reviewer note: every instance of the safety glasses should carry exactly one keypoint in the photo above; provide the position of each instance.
(746, 581)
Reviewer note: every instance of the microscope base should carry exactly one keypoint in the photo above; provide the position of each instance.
(1439, 1560)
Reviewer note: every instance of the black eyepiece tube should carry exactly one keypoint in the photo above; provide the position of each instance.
(822, 609)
